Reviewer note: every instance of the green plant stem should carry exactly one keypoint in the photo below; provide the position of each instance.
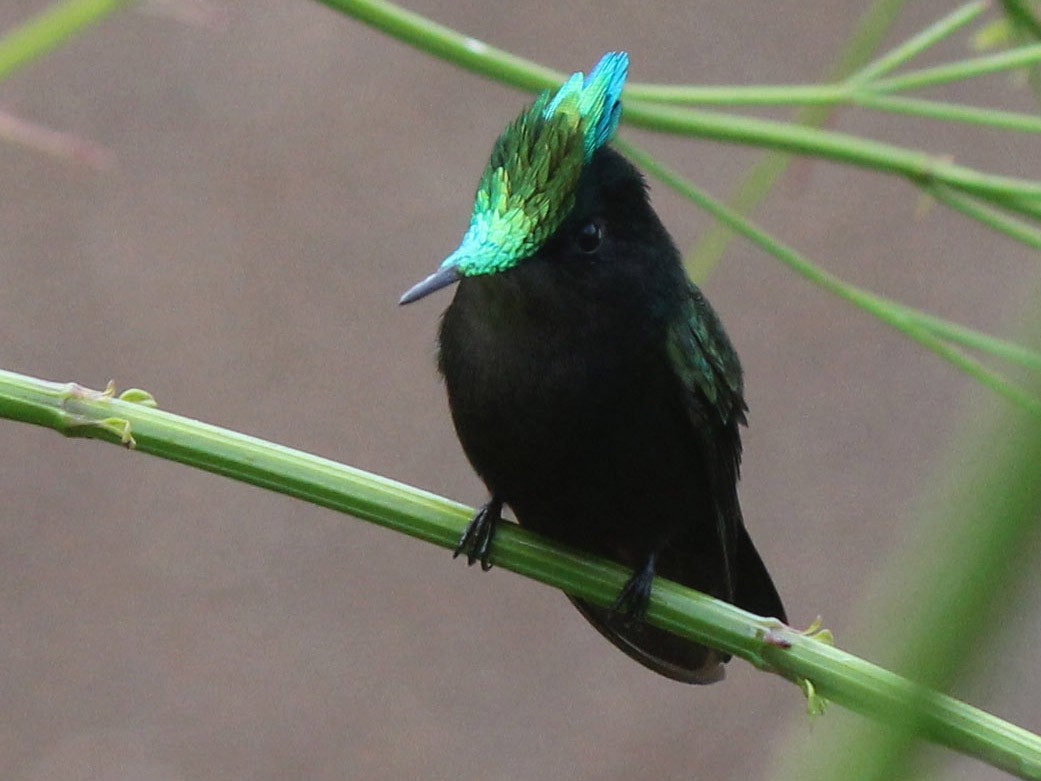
(850, 79)
(834, 95)
(496, 63)
(50, 29)
(850, 74)
(959, 71)
(988, 215)
(765, 643)
(444, 42)
(739, 94)
(917, 44)
(948, 112)
(921, 328)
(761, 177)
(913, 164)
(968, 337)
(1016, 195)
(843, 89)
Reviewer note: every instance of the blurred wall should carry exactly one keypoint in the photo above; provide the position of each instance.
(278, 178)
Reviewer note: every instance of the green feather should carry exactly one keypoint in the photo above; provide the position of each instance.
(528, 186)
(707, 364)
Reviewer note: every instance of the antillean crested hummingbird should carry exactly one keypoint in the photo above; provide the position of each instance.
(591, 384)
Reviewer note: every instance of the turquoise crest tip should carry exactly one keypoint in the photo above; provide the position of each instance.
(529, 184)
(596, 98)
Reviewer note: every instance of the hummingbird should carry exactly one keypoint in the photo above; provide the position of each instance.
(591, 383)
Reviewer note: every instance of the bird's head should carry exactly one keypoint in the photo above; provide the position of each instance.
(529, 186)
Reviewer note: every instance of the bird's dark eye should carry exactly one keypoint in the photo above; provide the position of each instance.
(590, 237)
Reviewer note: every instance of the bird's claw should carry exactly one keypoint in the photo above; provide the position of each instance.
(476, 541)
(636, 594)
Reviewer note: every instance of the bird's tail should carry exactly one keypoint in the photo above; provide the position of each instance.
(677, 657)
(657, 649)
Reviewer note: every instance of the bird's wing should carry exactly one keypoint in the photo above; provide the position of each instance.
(708, 369)
(709, 372)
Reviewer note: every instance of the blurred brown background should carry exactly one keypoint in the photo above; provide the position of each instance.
(278, 180)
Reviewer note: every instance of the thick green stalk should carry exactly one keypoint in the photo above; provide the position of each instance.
(49, 30)
(844, 679)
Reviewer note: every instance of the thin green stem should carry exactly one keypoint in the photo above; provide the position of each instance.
(915, 165)
(961, 70)
(948, 112)
(765, 643)
(50, 29)
(830, 96)
(760, 179)
(900, 316)
(482, 58)
(1000, 384)
(988, 215)
(915, 45)
(740, 95)
(444, 42)
(969, 337)
(1027, 207)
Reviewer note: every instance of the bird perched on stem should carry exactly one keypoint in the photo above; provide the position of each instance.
(591, 384)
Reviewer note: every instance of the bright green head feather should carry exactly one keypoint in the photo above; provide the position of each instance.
(529, 185)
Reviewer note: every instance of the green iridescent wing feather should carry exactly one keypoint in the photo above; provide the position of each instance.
(706, 363)
(712, 385)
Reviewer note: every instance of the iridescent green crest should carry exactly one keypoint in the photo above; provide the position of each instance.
(528, 186)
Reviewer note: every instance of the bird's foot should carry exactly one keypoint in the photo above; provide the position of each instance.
(636, 593)
(476, 541)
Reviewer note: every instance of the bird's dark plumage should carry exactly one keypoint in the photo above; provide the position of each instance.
(591, 384)
(596, 393)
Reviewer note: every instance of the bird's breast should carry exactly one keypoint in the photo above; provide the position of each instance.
(561, 416)
(506, 358)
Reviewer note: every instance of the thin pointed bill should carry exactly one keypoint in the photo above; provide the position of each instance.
(443, 277)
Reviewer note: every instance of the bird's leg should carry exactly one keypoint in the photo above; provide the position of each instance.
(476, 541)
(636, 593)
